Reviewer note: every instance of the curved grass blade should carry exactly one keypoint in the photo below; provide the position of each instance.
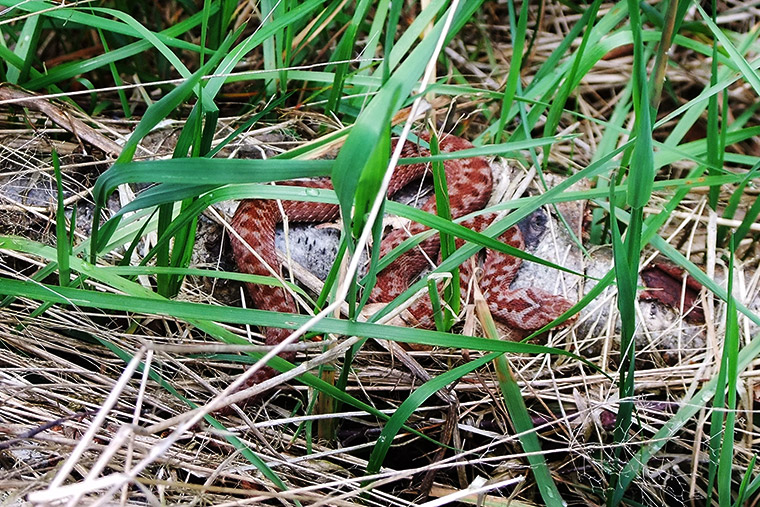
(68, 71)
(747, 489)
(412, 403)
(75, 15)
(301, 11)
(748, 73)
(558, 104)
(451, 292)
(342, 54)
(190, 311)
(626, 275)
(205, 172)
(154, 114)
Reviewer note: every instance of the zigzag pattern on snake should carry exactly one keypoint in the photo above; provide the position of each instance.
(470, 185)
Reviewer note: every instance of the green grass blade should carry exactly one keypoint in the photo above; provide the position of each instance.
(748, 73)
(626, 279)
(25, 49)
(744, 486)
(518, 413)
(343, 54)
(116, 77)
(412, 403)
(234, 56)
(67, 71)
(753, 486)
(72, 15)
(270, 9)
(63, 244)
(390, 32)
(733, 205)
(731, 376)
(205, 172)
(558, 104)
(714, 149)
(149, 304)
(157, 112)
(513, 78)
(626, 255)
(448, 243)
(750, 218)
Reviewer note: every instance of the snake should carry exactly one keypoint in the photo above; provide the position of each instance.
(470, 184)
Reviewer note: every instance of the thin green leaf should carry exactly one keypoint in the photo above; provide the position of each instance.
(748, 73)
(730, 381)
(744, 486)
(448, 244)
(515, 67)
(518, 413)
(412, 403)
(61, 236)
(189, 311)
(66, 71)
(26, 49)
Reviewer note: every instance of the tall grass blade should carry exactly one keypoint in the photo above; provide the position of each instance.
(515, 67)
(25, 50)
(750, 219)
(451, 293)
(752, 487)
(343, 54)
(748, 73)
(518, 413)
(558, 104)
(116, 77)
(271, 9)
(67, 71)
(63, 243)
(626, 303)
(154, 114)
(733, 204)
(730, 373)
(715, 147)
(744, 486)
(640, 184)
(390, 34)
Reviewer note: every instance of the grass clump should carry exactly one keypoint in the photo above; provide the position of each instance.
(127, 125)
